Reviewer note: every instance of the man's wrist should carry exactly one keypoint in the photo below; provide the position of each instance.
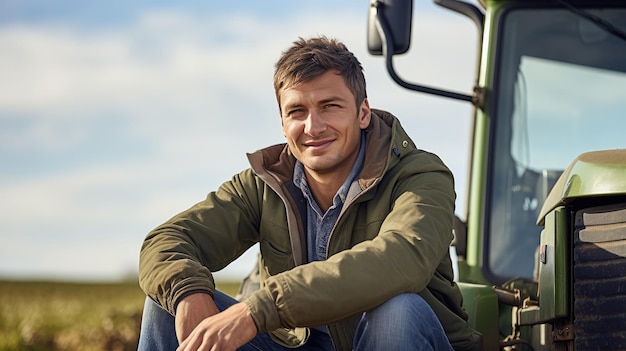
(190, 311)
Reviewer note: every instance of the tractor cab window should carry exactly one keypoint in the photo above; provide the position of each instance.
(561, 91)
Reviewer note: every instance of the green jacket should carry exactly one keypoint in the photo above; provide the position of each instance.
(392, 238)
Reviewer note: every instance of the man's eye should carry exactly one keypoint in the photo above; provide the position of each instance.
(295, 113)
(331, 105)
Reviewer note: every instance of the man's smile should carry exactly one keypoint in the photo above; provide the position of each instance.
(318, 143)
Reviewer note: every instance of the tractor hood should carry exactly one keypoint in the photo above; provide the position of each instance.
(597, 173)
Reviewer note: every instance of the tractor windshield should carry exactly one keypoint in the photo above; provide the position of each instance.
(559, 91)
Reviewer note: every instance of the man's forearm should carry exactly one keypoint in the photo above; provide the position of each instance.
(192, 310)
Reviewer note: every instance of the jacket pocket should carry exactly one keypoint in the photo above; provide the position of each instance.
(275, 259)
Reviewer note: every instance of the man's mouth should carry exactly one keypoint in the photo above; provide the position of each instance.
(318, 144)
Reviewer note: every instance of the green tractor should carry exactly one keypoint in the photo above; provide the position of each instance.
(542, 253)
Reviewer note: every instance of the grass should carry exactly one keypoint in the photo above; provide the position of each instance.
(73, 316)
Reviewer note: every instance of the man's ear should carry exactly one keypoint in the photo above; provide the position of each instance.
(365, 114)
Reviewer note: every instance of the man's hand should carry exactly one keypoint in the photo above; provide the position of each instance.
(227, 330)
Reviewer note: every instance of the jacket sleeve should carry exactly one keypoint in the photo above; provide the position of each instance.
(412, 241)
(177, 258)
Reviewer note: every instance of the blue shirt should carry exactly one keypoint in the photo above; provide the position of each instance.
(320, 225)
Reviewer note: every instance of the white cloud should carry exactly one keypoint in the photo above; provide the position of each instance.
(195, 94)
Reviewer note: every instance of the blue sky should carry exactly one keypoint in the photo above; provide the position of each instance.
(116, 115)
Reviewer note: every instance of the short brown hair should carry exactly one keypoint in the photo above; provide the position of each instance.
(307, 59)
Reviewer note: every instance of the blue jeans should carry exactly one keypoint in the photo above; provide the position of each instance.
(405, 322)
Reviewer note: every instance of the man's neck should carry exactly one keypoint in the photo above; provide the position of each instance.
(324, 187)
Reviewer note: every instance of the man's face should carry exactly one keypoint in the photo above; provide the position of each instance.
(323, 125)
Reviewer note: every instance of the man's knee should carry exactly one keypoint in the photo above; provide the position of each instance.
(405, 320)
(157, 328)
(402, 311)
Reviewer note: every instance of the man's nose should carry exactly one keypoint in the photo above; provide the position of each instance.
(314, 124)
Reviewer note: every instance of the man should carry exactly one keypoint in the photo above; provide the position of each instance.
(353, 222)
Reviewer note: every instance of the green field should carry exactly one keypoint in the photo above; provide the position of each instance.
(72, 316)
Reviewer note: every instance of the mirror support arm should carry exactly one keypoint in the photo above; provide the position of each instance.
(387, 53)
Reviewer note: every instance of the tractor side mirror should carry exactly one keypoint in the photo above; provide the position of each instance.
(389, 20)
